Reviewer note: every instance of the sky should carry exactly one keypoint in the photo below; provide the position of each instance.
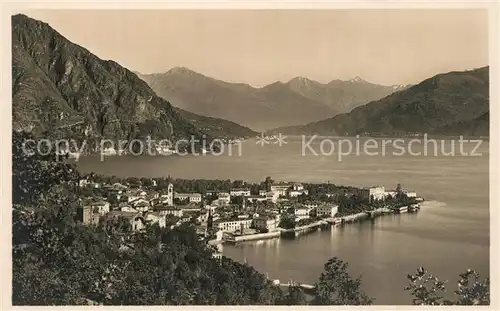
(261, 47)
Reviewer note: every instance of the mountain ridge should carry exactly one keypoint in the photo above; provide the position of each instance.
(296, 101)
(61, 89)
(445, 102)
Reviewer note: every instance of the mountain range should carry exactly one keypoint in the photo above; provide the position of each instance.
(60, 89)
(454, 103)
(297, 101)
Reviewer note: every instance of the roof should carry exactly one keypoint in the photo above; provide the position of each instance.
(240, 189)
(142, 203)
(281, 186)
(256, 196)
(156, 214)
(166, 208)
(129, 215)
(191, 194)
(96, 202)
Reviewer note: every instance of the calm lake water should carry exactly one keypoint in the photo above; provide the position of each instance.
(448, 235)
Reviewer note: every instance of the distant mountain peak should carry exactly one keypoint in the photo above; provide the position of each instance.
(181, 70)
(357, 79)
(302, 81)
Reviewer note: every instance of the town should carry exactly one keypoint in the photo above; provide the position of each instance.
(232, 214)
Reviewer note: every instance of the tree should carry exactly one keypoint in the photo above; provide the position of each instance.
(295, 296)
(286, 222)
(268, 182)
(336, 287)
(427, 289)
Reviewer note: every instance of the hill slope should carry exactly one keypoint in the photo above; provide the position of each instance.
(439, 103)
(298, 101)
(61, 90)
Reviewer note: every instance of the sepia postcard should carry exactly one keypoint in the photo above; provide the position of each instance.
(250, 156)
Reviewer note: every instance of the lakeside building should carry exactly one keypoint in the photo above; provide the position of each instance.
(410, 194)
(372, 193)
(237, 192)
(391, 193)
(265, 222)
(302, 212)
(228, 225)
(327, 210)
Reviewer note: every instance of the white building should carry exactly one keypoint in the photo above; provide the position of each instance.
(311, 205)
(375, 193)
(191, 197)
(410, 194)
(281, 189)
(327, 210)
(295, 193)
(391, 193)
(127, 208)
(224, 197)
(102, 207)
(273, 196)
(237, 192)
(256, 198)
(262, 192)
(169, 210)
(155, 217)
(302, 213)
(234, 225)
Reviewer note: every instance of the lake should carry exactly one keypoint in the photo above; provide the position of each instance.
(448, 235)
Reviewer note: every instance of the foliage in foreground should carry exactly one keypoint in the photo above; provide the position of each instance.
(427, 289)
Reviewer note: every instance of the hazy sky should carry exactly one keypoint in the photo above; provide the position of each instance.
(261, 47)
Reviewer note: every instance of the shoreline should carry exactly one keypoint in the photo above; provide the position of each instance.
(320, 224)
